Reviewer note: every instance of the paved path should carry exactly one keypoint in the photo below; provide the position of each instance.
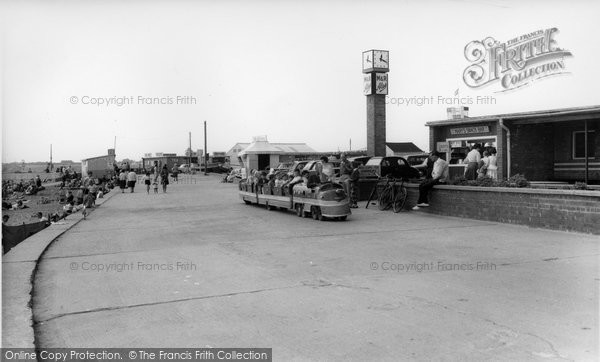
(196, 267)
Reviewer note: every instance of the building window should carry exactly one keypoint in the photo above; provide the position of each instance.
(579, 144)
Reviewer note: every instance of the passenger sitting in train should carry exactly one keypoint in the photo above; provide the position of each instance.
(271, 182)
(281, 180)
(297, 179)
(262, 180)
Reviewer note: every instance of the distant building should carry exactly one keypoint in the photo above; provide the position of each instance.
(234, 152)
(261, 154)
(99, 166)
(402, 149)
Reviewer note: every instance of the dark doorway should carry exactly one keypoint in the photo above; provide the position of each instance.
(264, 161)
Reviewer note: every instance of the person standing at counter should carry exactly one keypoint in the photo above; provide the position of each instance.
(472, 162)
(492, 170)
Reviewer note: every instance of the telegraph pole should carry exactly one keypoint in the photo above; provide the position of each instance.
(205, 152)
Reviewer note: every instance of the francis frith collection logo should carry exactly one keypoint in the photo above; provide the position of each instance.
(516, 62)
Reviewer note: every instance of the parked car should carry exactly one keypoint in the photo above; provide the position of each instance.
(311, 166)
(186, 168)
(417, 160)
(359, 160)
(395, 166)
(289, 167)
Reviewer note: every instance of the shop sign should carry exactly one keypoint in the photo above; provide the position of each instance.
(456, 144)
(442, 147)
(367, 83)
(469, 130)
(381, 83)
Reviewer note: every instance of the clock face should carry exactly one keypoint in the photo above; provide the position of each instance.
(368, 60)
(381, 59)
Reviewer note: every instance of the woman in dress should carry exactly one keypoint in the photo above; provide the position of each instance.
(164, 177)
(492, 170)
(122, 180)
(483, 165)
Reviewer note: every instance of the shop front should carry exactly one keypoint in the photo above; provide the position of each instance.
(552, 145)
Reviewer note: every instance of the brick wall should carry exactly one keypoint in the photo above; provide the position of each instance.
(567, 210)
(532, 151)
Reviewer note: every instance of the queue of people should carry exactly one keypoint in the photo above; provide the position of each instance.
(481, 163)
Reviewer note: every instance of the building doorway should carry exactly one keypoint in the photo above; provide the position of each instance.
(264, 161)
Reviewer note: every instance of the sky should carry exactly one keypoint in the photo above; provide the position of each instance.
(290, 70)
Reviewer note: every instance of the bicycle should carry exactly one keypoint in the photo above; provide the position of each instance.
(391, 196)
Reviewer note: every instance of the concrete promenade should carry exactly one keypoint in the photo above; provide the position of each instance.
(196, 267)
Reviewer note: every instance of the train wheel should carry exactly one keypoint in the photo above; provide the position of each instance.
(343, 218)
(316, 213)
(269, 207)
(247, 202)
(299, 210)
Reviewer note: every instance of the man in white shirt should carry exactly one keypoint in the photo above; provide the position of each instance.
(472, 161)
(438, 174)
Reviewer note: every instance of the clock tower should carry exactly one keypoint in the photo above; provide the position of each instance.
(375, 64)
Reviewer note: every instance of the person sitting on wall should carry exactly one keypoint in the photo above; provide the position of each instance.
(439, 174)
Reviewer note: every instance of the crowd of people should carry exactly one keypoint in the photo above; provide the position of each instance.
(127, 179)
(83, 195)
(31, 187)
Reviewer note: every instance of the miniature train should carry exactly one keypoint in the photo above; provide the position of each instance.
(325, 201)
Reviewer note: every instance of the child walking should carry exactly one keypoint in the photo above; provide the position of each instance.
(146, 180)
(155, 185)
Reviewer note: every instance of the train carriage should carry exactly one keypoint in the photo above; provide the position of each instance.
(325, 201)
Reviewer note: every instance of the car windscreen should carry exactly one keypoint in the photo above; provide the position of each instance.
(373, 162)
